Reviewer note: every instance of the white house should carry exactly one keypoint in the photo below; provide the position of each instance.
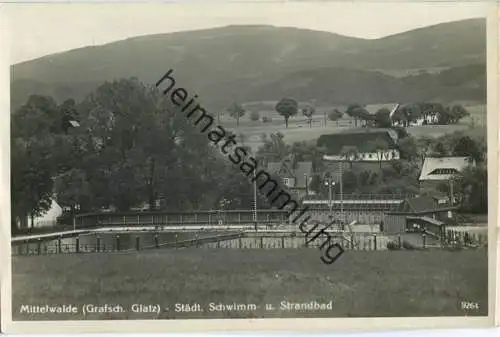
(362, 141)
(436, 171)
(48, 219)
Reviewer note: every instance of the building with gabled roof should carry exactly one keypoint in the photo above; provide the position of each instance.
(296, 176)
(360, 139)
(423, 214)
(438, 170)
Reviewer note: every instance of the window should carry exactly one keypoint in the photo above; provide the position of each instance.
(286, 181)
(444, 171)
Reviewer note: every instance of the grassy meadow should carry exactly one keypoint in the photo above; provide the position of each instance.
(298, 129)
(360, 283)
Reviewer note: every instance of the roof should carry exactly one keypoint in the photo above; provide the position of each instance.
(427, 219)
(74, 124)
(443, 168)
(423, 204)
(285, 169)
(335, 142)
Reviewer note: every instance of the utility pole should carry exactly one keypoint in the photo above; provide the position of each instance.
(341, 193)
(307, 184)
(451, 191)
(330, 193)
(254, 200)
(329, 182)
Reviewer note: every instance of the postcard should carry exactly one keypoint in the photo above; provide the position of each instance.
(249, 166)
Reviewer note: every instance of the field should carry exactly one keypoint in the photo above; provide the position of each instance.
(299, 130)
(386, 283)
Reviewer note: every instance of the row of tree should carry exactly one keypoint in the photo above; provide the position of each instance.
(403, 115)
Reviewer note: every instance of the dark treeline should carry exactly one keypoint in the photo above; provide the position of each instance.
(131, 149)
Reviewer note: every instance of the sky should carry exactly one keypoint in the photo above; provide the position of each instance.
(37, 30)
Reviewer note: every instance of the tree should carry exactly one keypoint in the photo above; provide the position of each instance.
(400, 131)
(335, 115)
(266, 119)
(474, 187)
(316, 184)
(308, 151)
(236, 111)
(140, 148)
(353, 111)
(308, 111)
(380, 147)
(459, 112)
(382, 118)
(399, 186)
(287, 107)
(69, 116)
(439, 149)
(350, 181)
(406, 168)
(273, 148)
(357, 112)
(238, 190)
(254, 116)
(408, 148)
(466, 147)
(32, 156)
(349, 153)
(72, 189)
(365, 116)
(424, 147)
(31, 179)
(451, 114)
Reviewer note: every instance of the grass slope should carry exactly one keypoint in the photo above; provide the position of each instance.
(397, 283)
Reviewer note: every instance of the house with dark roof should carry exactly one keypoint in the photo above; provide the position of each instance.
(436, 171)
(297, 176)
(368, 145)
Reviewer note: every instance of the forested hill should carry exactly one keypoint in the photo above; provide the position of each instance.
(245, 62)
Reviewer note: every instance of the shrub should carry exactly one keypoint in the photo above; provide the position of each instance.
(254, 116)
(456, 247)
(409, 246)
(266, 119)
(391, 245)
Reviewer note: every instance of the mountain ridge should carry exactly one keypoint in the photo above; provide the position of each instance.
(229, 62)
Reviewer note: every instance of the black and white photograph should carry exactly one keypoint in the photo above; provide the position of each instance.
(264, 161)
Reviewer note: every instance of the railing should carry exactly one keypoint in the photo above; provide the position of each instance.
(367, 196)
(230, 217)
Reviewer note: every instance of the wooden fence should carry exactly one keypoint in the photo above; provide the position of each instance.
(235, 240)
(465, 238)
